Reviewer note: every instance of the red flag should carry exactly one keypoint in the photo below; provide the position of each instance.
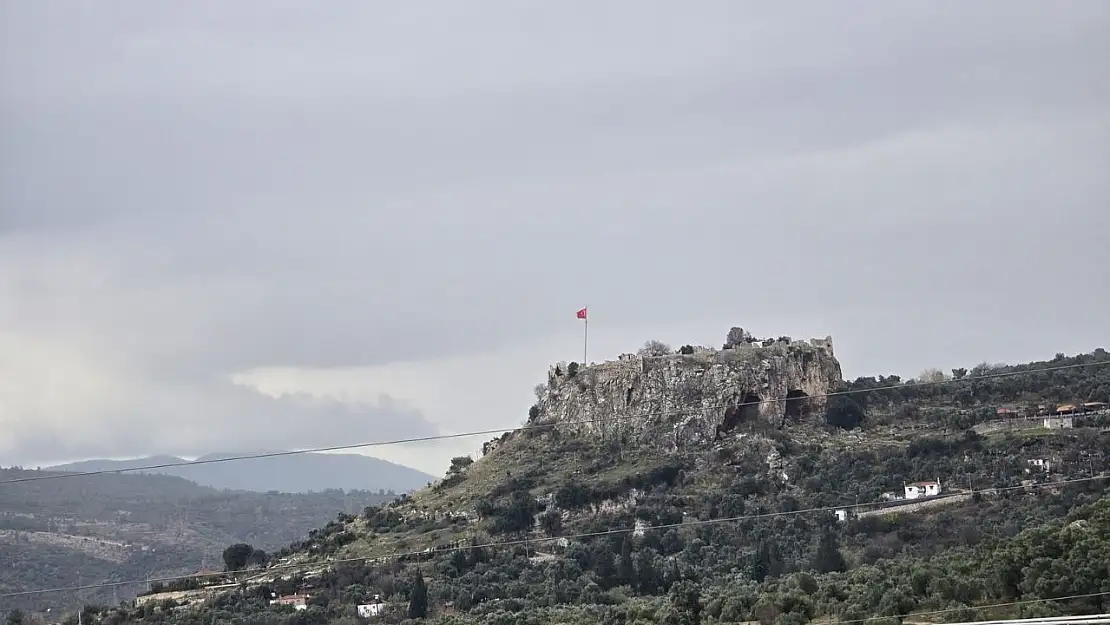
(581, 314)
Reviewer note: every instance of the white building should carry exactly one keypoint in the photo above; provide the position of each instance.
(918, 490)
(374, 608)
(841, 515)
(1039, 463)
(369, 610)
(1058, 423)
(299, 602)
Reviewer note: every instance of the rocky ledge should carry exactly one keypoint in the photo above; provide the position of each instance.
(695, 395)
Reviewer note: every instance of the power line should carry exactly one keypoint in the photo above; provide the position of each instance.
(1008, 604)
(541, 426)
(1085, 619)
(515, 542)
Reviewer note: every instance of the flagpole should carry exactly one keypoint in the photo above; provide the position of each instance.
(585, 337)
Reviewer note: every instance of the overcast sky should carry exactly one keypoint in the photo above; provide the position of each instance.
(277, 224)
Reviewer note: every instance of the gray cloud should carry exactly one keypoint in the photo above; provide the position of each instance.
(219, 418)
(189, 191)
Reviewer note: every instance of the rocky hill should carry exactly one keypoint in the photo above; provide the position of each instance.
(704, 393)
(650, 491)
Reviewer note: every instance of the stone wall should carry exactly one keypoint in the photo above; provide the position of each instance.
(695, 397)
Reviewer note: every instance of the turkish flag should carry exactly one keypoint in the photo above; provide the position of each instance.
(581, 314)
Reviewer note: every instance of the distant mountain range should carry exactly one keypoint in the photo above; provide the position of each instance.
(129, 526)
(298, 473)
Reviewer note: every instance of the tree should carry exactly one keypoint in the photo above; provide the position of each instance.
(518, 514)
(761, 562)
(626, 570)
(257, 557)
(844, 412)
(418, 598)
(648, 576)
(552, 523)
(655, 348)
(766, 562)
(237, 556)
(931, 376)
(459, 464)
(15, 617)
(686, 602)
(828, 558)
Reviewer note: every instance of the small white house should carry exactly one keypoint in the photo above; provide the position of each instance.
(918, 490)
(299, 602)
(1039, 463)
(368, 610)
(841, 515)
(1058, 423)
(374, 608)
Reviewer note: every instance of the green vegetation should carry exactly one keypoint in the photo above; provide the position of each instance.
(961, 404)
(241, 555)
(418, 597)
(737, 530)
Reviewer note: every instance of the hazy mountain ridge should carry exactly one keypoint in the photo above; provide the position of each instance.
(299, 473)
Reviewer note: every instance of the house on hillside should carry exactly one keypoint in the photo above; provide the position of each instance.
(841, 515)
(299, 602)
(372, 609)
(918, 490)
(1040, 464)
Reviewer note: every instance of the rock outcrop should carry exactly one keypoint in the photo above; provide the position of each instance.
(698, 397)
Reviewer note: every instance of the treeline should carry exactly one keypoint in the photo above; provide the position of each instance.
(970, 396)
(1085, 380)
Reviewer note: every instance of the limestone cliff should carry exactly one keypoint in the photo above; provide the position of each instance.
(700, 396)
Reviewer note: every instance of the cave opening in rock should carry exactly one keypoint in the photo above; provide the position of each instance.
(747, 411)
(797, 402)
